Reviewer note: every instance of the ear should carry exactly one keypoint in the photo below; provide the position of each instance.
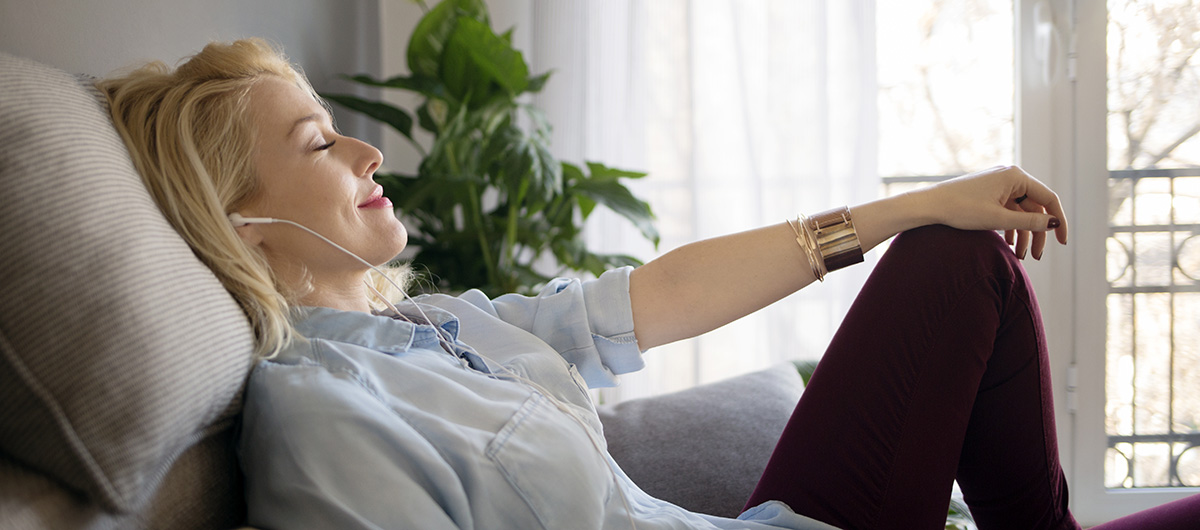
(250, 234)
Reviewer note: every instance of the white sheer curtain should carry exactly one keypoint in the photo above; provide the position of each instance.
(744, 113)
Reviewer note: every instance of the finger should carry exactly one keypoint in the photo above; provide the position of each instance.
(1044, 197)
(1037, 244)
(1024, 225)
(1037, 236)
(1026, 216)
(1010, 235)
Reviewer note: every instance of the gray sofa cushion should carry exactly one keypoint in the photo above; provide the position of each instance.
(119, 350)
(202, 490)
(704, 448)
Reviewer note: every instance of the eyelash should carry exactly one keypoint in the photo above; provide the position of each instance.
(326, 146)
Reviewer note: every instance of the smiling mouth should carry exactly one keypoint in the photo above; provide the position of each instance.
(376, 200)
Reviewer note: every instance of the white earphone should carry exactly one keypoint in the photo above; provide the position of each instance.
(238, 220)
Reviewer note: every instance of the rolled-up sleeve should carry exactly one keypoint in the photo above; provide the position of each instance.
(589, 322)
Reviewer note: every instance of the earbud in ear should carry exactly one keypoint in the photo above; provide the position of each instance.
(237, 220)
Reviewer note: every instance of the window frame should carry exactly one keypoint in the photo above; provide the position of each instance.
(1061, 127)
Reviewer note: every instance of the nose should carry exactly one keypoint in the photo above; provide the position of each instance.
(369, 158)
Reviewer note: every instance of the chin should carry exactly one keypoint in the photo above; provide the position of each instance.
(392, 244)
(401, 237)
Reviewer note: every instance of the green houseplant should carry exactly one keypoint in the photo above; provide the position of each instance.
(489, 199)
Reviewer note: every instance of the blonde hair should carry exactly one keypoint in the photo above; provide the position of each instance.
(192, 140)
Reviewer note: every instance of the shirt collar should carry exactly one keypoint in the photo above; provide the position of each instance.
(381, 331)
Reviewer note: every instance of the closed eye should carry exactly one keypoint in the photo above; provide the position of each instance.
(326, 146)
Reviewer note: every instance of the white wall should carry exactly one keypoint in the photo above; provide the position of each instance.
(325, 37)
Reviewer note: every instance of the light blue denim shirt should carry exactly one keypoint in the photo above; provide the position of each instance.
(370, 423)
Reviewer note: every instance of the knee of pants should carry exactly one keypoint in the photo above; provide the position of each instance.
(942, 251)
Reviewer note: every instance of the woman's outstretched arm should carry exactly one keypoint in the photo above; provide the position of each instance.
(707, 284)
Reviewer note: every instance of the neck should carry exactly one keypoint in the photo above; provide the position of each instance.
(344, 291)
(344, 297)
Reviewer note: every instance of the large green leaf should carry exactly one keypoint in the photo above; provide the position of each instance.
(619, 199)
(523, 162)
(446, 156)
(573, 253)
(536, 83)
(475, 57)
(396, 117)
(550, 168)
(426, 119)
(504, 153)
(493, 114)
(494, 55)
(602, 172)
(464, 81)
(429, 38)
(571, 176)
(410, 193)
(427, 86)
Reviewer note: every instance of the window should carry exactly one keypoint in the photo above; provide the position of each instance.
(1123, 133)
(1103, 103)
(945, 89)
(1152, 401)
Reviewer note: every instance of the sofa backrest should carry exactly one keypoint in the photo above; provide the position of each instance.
(122, 359)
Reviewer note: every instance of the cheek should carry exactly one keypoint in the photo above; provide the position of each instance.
(270, 189)
(292, 198)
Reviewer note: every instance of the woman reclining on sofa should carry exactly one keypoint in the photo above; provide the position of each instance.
(460, 412)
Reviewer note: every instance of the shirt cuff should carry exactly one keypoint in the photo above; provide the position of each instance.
(610, 317)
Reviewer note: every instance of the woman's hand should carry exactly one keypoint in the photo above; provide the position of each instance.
(1000, 198)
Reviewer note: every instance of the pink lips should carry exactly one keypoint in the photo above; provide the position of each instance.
(376, 200)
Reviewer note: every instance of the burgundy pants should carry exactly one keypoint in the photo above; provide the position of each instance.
(939, 372)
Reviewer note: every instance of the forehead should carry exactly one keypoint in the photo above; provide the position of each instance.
(276, 105)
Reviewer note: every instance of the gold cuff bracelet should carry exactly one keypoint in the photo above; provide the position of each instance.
(829, 240)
